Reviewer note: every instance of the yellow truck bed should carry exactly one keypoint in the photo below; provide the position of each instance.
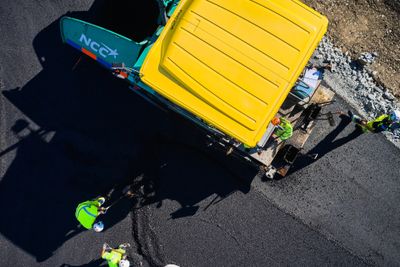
(232, 63)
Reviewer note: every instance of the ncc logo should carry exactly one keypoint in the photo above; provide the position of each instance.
(103, 49)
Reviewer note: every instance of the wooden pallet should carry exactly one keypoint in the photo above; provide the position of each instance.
(266, 155)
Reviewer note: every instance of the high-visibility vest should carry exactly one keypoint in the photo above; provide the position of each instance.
(87, 212)
(285, 129)
(379, 124)
(113, 257)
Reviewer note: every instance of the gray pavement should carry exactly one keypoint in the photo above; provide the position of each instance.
(351, 194)
(69, 135)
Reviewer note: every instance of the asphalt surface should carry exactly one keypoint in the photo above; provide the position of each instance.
(69, 134)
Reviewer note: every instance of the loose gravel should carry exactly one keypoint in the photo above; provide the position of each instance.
(354, 81)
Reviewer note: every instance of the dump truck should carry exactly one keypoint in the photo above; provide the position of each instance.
(228, 66)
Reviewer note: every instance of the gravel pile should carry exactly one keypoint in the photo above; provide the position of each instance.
(354, 81)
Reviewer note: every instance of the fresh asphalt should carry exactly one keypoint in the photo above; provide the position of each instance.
(71, 132)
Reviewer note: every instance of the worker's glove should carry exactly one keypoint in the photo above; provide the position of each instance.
(125, 245)
(103, 210)
(106, 247)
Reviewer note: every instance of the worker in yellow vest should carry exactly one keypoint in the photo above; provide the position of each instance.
(116, 257)
(385, 122)
(283, 128)
(87, 212)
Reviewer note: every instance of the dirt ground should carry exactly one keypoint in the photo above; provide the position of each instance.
(360, 26)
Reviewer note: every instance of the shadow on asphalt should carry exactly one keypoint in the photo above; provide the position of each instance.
(190, 172)
(90, 133)
(93, 263)
(329, 143)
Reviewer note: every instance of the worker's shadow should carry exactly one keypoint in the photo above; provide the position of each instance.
(82, 134)
(329, 143)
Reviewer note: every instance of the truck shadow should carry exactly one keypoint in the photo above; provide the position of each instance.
(187, 171)
(202, 175)
(84, 133)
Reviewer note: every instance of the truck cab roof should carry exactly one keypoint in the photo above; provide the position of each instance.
(232, 63)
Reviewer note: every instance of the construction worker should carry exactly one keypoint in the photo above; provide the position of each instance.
(86, 213)
(385, 122)
(115, 257)
(283, 128)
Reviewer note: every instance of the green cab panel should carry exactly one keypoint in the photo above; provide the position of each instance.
(100, 44)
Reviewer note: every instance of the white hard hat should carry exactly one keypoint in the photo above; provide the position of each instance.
(395, 115)
(98, 226)
(124, 263)
(171, 265)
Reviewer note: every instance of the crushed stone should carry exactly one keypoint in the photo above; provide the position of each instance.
(354, 81)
